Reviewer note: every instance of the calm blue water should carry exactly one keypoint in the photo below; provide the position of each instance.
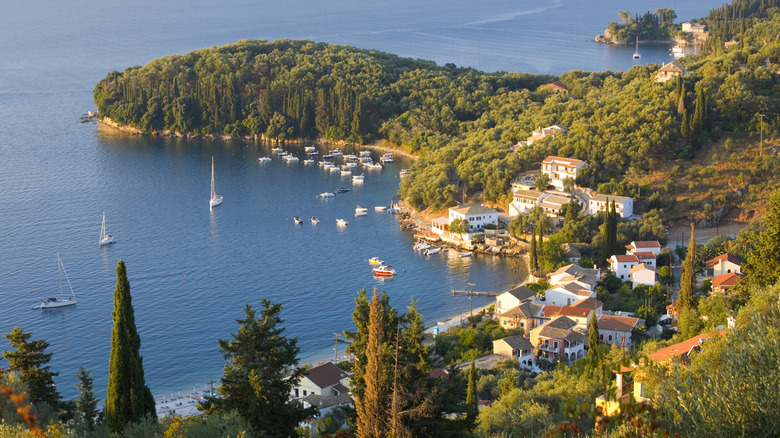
(192, 270)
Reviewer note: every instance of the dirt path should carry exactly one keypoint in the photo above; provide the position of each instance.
(681, 234)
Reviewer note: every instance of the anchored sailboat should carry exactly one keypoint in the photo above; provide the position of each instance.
(62, 300)
(105, 239)
(636, 51)
(215, 198)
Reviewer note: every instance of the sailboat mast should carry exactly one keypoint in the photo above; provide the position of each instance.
(212, 178)
(103, 228)
(62, 266)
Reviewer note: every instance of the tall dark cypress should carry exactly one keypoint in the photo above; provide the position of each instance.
(472, 408)
(129, 399)
(686, 298)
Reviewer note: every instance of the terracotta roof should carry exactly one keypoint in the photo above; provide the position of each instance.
(517, 342)
(644, 244)
(640, 267)
(623, 258)
(586, 293)
(727, 280)
(681, 349)
(473, 209)
(618, 323)
(571, 162)
(557, 84)
(722, 258)
(326, 375)
(588, 303)
(577, 312)
(439, 373)
(641, 255)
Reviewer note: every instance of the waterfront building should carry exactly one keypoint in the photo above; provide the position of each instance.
(477, 216)
(513, 298)
(560, 168)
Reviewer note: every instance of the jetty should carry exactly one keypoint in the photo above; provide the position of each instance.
(469, 292)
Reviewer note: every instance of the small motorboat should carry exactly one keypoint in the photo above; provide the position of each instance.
(310, 149)
(387, 158)
(336, 153)
(277, 150)
(361, 211)
(380, 208)
(404, 173)
(421, 246)
(358, 179)
(326, 195)
(342, 190)
(384, 271)
(308, 161)
(314, 220)
(297, 220)
(465, 254)
(374, 166)
(264, 159)
(375, 261)
(346, 173)
(432, 250)
(342, 222)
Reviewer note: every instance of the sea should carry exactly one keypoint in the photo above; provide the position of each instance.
(192, 270)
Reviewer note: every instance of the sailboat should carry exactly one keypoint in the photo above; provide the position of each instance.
(62, 300)
(636, 51)
(105, 239)
(215, 198)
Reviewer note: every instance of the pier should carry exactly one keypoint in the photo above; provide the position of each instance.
(469, 292)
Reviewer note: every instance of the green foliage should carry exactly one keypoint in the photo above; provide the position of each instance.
(763, 262)
(129, 399)
(86, 403)
(687, 297)
(260, 374)
(459, 226)
(29, 361)
(657, 26)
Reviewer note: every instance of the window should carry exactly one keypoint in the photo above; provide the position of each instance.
(304, 393)
(610, 338)
(555, 345)
(601, 337)
(522, 325)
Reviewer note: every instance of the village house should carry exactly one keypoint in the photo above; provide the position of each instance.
(671, 312)
(516, 346)
(552, 204)
(513, 298)
(559, 340)
(652, 246)
(556, 87)
(565, 294)
(585, 277)
(550, 131)
(647, 258)
(722, 264)
(477, 216)
(326, 380)
(559, 168)
(624, 206)
(524, 200)
(572, 252)
(723, 282)
(592, 304)
(525, 316)
(617, 330)
(694, 28)
(669, 71)
(621, 265)
(642, 274)
(580, 315)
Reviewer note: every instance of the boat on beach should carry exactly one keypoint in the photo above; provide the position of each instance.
(384, 271)
(62, 300)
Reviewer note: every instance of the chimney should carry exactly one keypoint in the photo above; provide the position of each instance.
(619, 377)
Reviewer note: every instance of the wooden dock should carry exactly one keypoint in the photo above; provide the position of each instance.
(475, 293)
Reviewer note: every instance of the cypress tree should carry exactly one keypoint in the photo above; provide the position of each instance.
(471, 393)
(593, 336)
(371, 407)
(29, 362)
(533, 256)
(686, 299)
(129, 399)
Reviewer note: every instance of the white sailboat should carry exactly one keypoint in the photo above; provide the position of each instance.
(215, 198)
(62, 300)
(636, 51)
(105, 239)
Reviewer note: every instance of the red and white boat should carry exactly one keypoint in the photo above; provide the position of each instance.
(384, 271)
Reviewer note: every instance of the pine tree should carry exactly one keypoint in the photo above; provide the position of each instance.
(371, 407)
(593, 337)
(129, 399)
(533, 255)
(471, 394)
(86, 403)
(686, 299)
(261, 372)
(29, 361)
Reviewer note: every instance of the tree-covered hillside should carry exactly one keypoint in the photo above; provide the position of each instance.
(296, 89)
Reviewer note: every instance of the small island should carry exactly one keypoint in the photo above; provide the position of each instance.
(655, 26)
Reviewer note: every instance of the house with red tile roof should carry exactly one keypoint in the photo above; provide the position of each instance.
(621, 265)
(642, 274)
(722, 264)
(580, 315)
(652, 246)
(559, 340)
(723, 282)
(556, 87)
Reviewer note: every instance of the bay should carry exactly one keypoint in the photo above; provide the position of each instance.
(192, 270)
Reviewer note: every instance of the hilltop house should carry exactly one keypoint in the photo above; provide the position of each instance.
(550, 131)
(516, 346)
(669, 71)
(584, 277)
(555, 87)
(580, 315)
(326, 380)
(559, 340)
(559, 168)
(624, 206)
(723, 264)
(694, 28)
(477, 216)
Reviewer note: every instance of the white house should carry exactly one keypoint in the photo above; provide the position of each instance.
(624, 206)
(326, 380)
(513, 298)
(642, 274)
(621, 265)
(516, 346)
(565, 294)
(550, 131)
(723, 264)
(552, 204)
(647, 258)
(524, 200)
(587, 278)
(559, 168)
(477, 217)
(652, 246)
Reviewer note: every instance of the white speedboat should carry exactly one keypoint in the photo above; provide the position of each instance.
(387, 158)
(384, 271)
(336, 153)
(433, 250)
(342, 222)
(62, 300)
(297, 220)
(105, 239)
(346, 173)
(291, 158)
(380, 208)
(310, 149)
(264, 159)
(421, 246)
(357, 179)
(215, 198)
(314, 220)
(326, 195)
(365, 153)
(360, 209)
(374, 166)
(404, 173)
(308, 161)
(465, 254)
(277, 150)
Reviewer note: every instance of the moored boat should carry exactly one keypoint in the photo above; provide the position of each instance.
(361, 211)
(342, 222)
(297, 220)
(342, 190)
(105, 239)
(264, 159)
(314, 220)
(375, 261)
(380, 208)
(326, 195)
(432, 250)
(215, 198)
(387, 158)
(384, 271)
(404, 173)
(357, 179)
(465, 254)
(62, 300)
